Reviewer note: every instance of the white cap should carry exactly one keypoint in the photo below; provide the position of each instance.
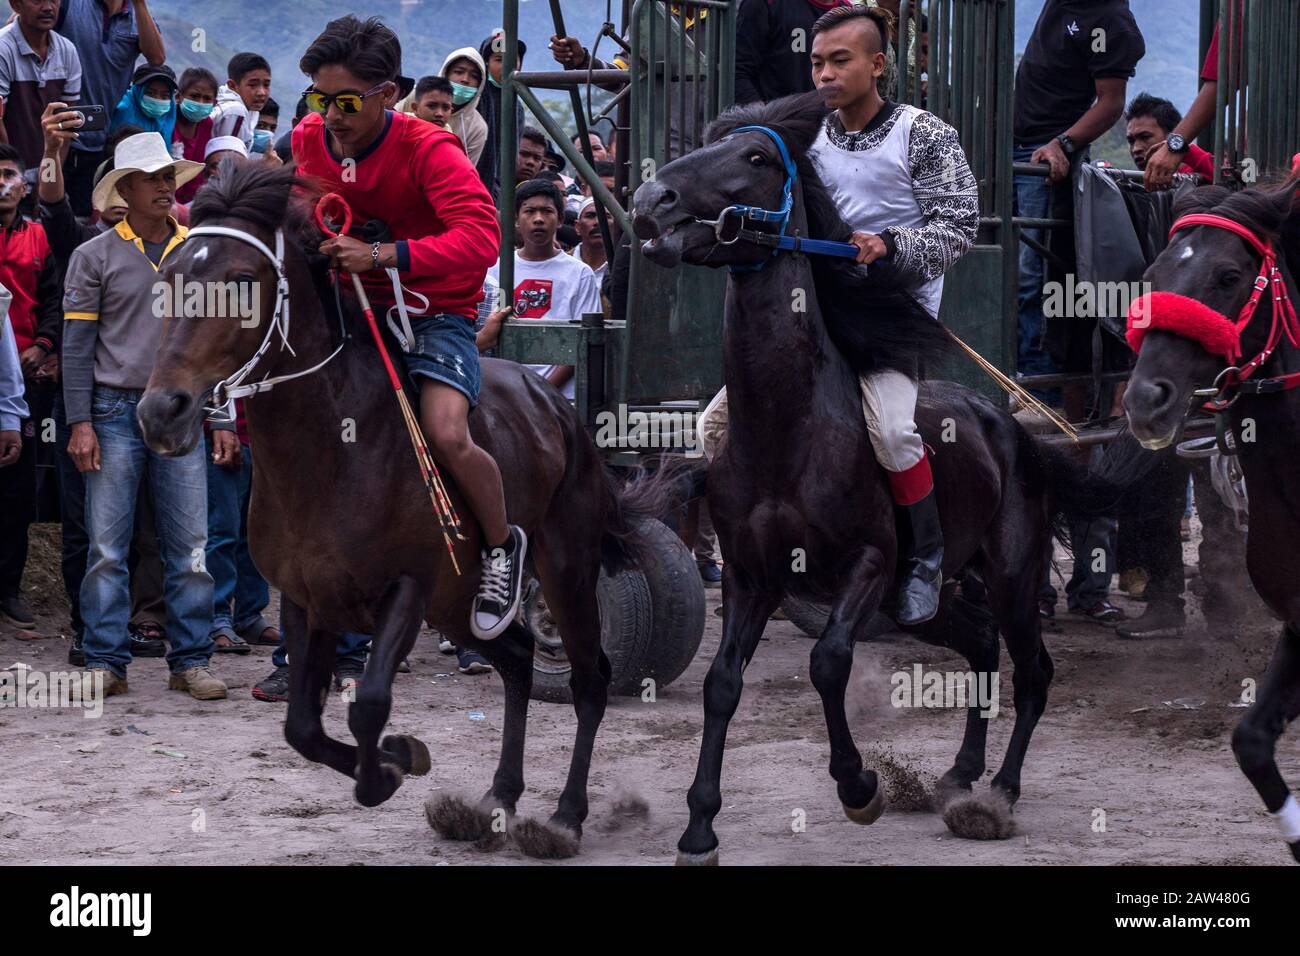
(221, 143)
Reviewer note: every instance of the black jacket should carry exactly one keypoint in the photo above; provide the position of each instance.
(767, 64)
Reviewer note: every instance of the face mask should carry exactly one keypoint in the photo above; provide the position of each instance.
(462, 94)
(493, 81)
(154, 108)
(194, 111)
(261, 140)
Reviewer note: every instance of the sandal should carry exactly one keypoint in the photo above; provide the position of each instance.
(226, 641)
(261, 633)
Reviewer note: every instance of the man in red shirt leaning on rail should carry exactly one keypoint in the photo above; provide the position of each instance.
(443, 235)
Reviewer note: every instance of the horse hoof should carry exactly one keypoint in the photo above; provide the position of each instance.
(409, 753)
(871, 812)
(709, 858)
(453, 817)
(985, 817)
(544, 841)
(373, 792)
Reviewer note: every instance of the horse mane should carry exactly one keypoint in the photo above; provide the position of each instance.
(276, 197)
(871, 319)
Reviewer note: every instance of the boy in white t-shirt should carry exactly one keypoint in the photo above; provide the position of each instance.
(548, 283)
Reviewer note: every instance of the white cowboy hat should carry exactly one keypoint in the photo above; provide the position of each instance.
(141, 153)
(221, 143)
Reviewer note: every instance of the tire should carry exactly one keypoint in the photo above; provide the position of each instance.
(677, 602)
(625, 624)
(808, 617)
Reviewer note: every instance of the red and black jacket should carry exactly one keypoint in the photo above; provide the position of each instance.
(30, 272)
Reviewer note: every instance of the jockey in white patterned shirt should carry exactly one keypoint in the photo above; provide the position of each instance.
(899, 178)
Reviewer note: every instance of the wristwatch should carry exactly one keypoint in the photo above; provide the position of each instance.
(1175, 143)
(374, 256)
(1067, 145)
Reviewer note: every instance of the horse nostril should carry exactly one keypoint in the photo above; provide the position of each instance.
(178, 403)
(668, 197)
(1152, 395)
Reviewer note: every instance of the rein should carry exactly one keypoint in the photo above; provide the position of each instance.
(1285, 320)
(729, 227)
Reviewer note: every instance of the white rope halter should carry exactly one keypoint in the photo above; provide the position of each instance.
(234, 386)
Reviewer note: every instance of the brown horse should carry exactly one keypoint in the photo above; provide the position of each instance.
(340, 520)
(1206, 274)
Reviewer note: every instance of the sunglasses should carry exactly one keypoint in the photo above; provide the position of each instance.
(349, 103)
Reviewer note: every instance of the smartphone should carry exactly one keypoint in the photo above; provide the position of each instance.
(93, 117)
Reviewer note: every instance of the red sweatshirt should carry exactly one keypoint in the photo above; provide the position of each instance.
(417, 179)
(29, 272)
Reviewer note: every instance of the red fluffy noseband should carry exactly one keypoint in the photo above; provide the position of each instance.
(1171, 312)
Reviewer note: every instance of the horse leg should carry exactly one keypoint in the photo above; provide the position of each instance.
(379, 770)
(745, 612)
(484, 822)
(311, 667)
(831, 663)
(571, 598)
(1016, 607)
(979, 645)
(1255, 738)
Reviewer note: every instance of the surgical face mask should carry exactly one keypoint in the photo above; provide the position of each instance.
(261, 140)
(461, 94)
(154, 108)
(195, 111)
(493, 80)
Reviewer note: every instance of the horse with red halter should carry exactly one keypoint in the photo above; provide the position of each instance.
(340, 517)
(799, 502)
(1220, 330)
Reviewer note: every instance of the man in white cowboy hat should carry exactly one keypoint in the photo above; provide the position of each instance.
(111, 330)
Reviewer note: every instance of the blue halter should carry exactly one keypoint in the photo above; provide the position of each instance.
(779, 241)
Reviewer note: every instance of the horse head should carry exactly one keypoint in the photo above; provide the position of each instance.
(221, 298)
(675, 212)
(1187, 330)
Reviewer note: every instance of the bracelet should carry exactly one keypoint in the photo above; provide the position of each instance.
(374, 256)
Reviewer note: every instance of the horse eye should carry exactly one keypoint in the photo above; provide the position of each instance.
(245, 277)
(1229, 279)
(757, 159)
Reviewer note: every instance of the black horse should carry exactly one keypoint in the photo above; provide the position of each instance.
(1217, 269)
(800, 504)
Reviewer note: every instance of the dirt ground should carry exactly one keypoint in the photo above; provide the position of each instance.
(230, 790)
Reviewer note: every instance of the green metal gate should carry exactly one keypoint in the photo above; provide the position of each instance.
(669, 345)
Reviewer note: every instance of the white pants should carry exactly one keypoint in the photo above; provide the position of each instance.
(888, 404)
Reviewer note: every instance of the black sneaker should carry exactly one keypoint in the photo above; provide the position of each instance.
(77, 653)
(274, 687)
(471, 663)
(144, 643)
(500, 588)
(347, 671)
(15, 610)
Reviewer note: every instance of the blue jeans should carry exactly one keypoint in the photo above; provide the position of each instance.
(179, 487)
(351, 646)
(234, 577)
(1033, 200)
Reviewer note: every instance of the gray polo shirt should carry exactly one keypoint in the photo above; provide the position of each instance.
(111, 332)
(29, 84)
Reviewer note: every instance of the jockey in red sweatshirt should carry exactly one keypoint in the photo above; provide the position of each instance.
(415, 178)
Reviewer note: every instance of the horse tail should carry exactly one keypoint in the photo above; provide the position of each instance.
(647, 495)
(1100, 489)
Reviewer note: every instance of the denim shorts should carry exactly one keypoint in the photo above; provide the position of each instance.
(445, 352)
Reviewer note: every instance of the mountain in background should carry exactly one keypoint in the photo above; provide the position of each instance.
(430, 29)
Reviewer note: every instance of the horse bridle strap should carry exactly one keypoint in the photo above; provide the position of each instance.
(729, 227)
(1285, 320)
(234, 385)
